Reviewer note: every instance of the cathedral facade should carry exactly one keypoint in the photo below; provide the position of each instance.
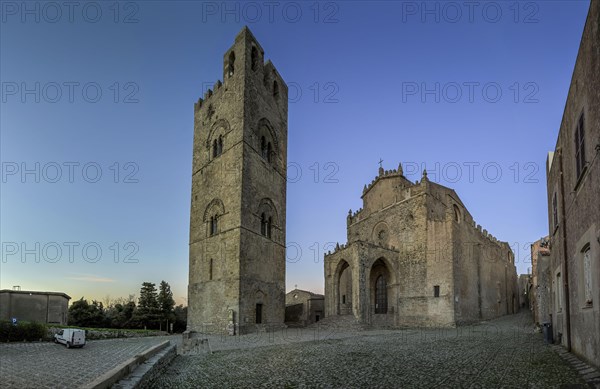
(415, 257)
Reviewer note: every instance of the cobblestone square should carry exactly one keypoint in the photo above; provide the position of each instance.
(49, 365)
(500, 353)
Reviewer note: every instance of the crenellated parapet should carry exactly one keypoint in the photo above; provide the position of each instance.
(484, 234)
(338, 247)
(384, 174)
(341, 247)
(208, 94)
(246, 59)
(353, 217)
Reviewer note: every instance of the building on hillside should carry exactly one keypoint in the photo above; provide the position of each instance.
(415, 257)
(34, 306)
(573, 189)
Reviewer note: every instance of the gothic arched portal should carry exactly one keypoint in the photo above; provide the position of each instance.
(344, 289)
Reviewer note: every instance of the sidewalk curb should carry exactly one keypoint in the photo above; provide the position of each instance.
(587, 372)
(111, 377)
(145, 373)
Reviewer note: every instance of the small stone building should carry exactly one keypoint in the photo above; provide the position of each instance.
(303, 307)
(415, 257)
(41, 307)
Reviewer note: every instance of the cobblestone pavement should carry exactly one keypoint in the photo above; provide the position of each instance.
(500, 353)
(49, 365)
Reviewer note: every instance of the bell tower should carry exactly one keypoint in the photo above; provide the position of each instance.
(237, 218)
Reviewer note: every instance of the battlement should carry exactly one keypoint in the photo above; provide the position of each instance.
(208, 94)
(415, 189)
(341, 247)
(384, 174)
(246, 59)
(486, 235)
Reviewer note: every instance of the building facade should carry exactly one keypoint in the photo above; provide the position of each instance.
(237, 220)
(415, 257)
(573, 188)
(538, 288)
(524, 282)
(303, 307)
(41, 307)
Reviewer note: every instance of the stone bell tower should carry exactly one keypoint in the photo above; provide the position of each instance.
(237, 218)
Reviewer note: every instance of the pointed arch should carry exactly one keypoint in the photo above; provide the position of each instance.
(215, 207)
(254, 59)
(267, 214)
(220, 127)
(343, 285)
(265, 129)
(267, 206)
(456, 212)
(381, 276)
(231, 64)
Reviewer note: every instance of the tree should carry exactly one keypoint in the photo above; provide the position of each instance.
(120, 314)
(84, 314)
(147, 312)
(166, 303)
(148, 298)
(180, 313)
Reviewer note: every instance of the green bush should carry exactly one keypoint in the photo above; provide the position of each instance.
(28, 331)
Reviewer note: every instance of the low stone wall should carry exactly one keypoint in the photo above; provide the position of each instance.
(160, 363)
(94, 334)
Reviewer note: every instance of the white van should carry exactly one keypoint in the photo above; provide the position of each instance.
(71, 337)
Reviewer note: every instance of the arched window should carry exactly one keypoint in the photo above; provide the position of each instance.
(269, 151)
(266, 225)
(380, 295)
(275, 89)
(213, 225)
(456, 213)
(217, 147)
(210, 270)
(263, 224)
(269, 227)
(231, 64)
(267, 213)
(254, 58)
(263, 148)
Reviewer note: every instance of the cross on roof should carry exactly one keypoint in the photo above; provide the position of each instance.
(380, 162)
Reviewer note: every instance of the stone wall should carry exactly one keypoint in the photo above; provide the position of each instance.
(573, 206)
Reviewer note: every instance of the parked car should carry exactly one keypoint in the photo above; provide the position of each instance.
(71, 337)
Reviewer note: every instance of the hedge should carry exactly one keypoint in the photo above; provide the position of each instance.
(22, 331)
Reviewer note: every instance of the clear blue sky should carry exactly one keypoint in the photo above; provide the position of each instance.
(356, 73)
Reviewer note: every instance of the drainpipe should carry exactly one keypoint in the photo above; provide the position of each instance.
(564, 248)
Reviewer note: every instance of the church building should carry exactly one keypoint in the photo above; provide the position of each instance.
(415, 257)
